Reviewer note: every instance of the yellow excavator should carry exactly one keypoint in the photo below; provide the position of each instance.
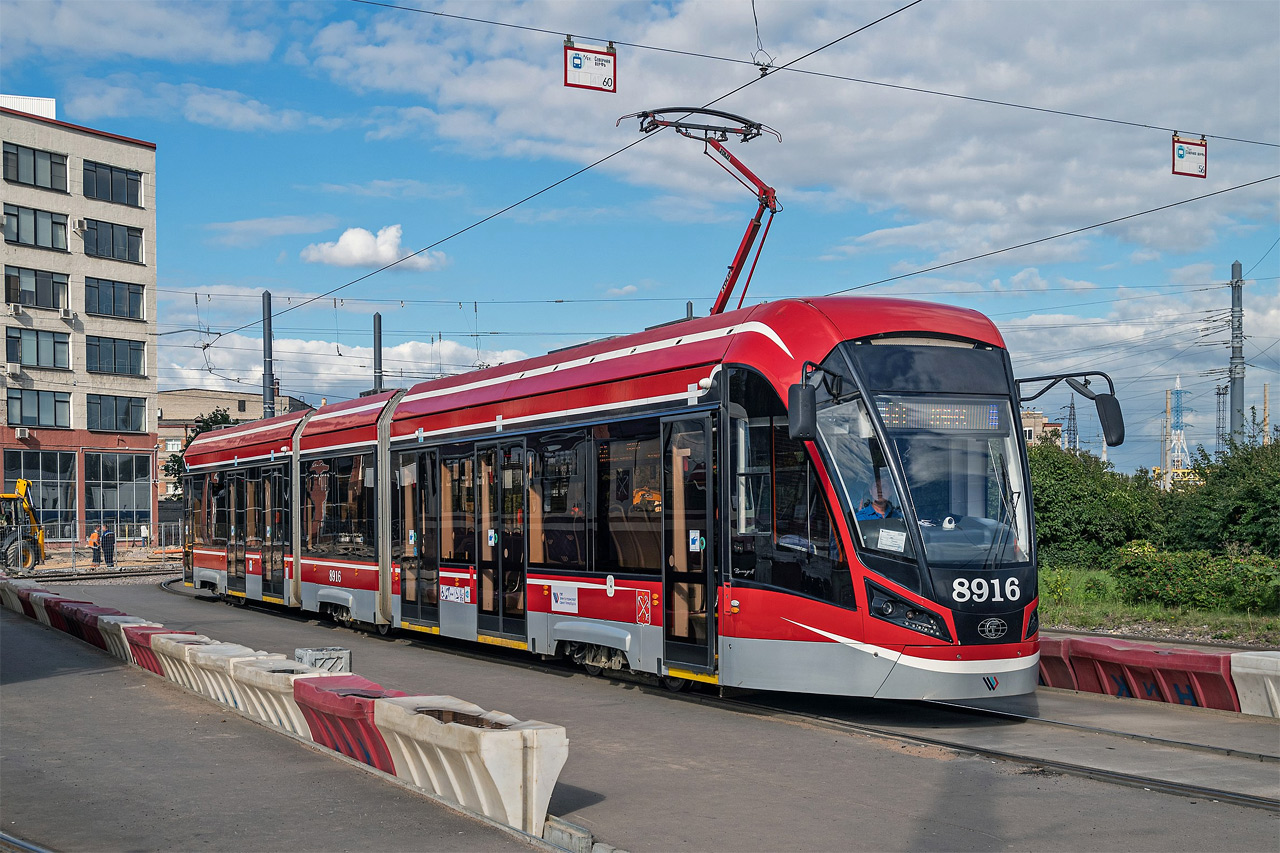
(21, 536)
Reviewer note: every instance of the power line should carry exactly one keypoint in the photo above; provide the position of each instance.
(1054, 236)
(899, 87)
(562, 180)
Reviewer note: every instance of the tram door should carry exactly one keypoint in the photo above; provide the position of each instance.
(687, 506)
(275, 530)
(415, 537)
(236, 498)
(500, 529)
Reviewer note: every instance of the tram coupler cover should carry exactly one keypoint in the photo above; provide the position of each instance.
(330, 658)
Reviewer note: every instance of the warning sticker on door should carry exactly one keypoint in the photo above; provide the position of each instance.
(642, 608)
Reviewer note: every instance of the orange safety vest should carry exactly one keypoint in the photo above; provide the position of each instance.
(93, 539)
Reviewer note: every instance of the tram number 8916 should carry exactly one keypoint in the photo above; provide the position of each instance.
(980, 589)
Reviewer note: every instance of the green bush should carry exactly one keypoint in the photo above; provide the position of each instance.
(1198, 579)
(1082, 557)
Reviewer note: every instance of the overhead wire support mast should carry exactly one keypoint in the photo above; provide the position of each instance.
(714, 136)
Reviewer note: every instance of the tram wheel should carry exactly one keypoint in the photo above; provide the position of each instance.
(384, 629)
(675, 685)
(592, 670)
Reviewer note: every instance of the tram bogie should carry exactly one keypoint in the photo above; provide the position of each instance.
(649, 503)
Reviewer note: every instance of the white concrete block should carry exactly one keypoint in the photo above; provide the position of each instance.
(1256, 676)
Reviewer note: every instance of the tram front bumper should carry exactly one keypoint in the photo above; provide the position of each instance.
(916, 677)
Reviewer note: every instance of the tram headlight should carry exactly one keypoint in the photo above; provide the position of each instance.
(1033, 623)
(892, 608)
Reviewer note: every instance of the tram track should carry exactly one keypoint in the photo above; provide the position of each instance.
(972, 727)
(71, 576)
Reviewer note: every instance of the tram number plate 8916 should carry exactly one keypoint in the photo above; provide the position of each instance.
(982, 589)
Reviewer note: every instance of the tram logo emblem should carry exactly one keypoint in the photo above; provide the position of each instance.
(991, 681)
(992, 629)
(642, 607)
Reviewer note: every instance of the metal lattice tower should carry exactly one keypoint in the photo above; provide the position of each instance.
(1071, 435)
(1179, 456)
(1220, 393)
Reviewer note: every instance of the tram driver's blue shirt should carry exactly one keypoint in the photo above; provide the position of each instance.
(870, 513)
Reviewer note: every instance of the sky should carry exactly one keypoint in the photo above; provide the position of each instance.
(302, 146)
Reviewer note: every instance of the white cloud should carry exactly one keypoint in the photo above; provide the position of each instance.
(176, 32)
(360, 248)
(626, 290)
(127, 95)
(397, 188)
(250, 232)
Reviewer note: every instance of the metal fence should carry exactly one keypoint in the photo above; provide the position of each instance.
(67, 546)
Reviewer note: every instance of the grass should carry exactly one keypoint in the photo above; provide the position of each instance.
(1086, 600)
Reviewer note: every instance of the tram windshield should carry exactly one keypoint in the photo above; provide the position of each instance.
(946, 465)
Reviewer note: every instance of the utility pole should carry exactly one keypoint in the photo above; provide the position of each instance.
(377, 351)
(1166, 478)
(268, 369)
(1266, 413)
(1220, 397)
(1236, 372)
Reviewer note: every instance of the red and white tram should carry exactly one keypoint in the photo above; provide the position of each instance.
(641, 502)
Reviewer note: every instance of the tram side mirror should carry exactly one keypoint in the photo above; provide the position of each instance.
(1111, 418)
(802, 412)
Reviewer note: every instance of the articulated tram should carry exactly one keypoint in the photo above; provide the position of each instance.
(826, 495)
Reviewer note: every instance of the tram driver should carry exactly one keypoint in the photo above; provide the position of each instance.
(877, 503)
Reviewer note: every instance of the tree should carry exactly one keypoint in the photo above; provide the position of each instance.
(203, 423)
(1238, 503)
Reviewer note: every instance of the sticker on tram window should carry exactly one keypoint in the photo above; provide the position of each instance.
(984, 589)
(892, 540)
(457, 594)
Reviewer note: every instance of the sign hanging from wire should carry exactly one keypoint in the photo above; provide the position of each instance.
(1190, 156)
(590, 67)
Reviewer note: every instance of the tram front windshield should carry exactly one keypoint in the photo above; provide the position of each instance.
(944, 464)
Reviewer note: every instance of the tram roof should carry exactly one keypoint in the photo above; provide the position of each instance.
(252, 441)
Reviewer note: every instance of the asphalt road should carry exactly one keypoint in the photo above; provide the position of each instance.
(648, 771)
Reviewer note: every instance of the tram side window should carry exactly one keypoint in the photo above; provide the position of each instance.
(558, 470)
(197, 513)
(458, 513)
(253, 509)
(782, 533)
(219, 510)
(629, 497)
(339, 511)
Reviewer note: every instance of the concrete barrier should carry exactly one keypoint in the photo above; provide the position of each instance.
(212, 665)
(112, 630)
(45, 604)
(1256, 676)
(139, 639)
(339, 713)
(1179, 676)
(9, 588)
(172, 651)
(1055, 663)
(82, 621)
(488, 761)
(266, 691)
(24, 594)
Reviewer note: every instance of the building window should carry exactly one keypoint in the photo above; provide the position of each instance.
(112, 184)
(37, 349)
(115, 355)
(45, 169)
(240, 405)
(53, 487)
(112, 298)
(117, 492)
(173, 445)
(107, 240)
(39, 408)
(35, 227)
(38, 288)
(122, 414)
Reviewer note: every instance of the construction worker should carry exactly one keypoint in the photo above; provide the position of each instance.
(109, 545)
(95, 542)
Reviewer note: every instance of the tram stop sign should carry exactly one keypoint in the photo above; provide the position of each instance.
(1190, 157)
(590, 67)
